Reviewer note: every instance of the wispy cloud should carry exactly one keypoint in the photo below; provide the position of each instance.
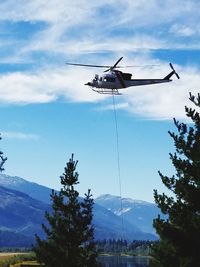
(117, 106)
(46, 86)
(72, 29)
(81, 26)
(185, 30)
(162, 101)
(19, 136)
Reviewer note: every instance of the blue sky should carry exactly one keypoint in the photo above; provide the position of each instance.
(47, 113)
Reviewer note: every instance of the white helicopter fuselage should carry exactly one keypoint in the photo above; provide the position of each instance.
(115, 80)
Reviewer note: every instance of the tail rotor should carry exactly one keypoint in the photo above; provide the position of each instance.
(178, 77)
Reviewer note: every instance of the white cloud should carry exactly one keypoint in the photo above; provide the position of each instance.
(185, 30)
(82, 11)
(161, 101)
(46, 86)
(19, 136)
(118, 106)
(72, 29)
(95, 21)
(164, 101)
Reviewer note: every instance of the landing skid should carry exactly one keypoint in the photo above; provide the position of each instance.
(104, 91)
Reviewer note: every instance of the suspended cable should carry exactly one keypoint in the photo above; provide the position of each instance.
(118, 163)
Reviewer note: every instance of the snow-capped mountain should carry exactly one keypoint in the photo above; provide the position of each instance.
(107, 225)
(138, 212)
(113, 203)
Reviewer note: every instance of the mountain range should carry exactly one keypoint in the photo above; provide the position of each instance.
(137, 212)
(23, 204)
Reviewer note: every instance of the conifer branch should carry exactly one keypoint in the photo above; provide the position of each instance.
(2, 159)
(196, 100)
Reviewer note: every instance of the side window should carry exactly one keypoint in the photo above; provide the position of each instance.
(111, 80)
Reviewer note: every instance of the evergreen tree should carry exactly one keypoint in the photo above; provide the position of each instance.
(179, 244)
(2, 159)
(69, 234)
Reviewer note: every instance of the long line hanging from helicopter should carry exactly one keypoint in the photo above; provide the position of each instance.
(112, 79)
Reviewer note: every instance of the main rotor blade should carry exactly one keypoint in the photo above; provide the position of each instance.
(114, 66)
(87, 65)
(137, 66)
(109, 67)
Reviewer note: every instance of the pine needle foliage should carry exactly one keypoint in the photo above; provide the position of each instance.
(2, 159)
(179, 244)
(69, 234)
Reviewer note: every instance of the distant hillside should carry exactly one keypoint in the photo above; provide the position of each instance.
(11, 239)
(22, 214)
(34, 190)
(138, 212)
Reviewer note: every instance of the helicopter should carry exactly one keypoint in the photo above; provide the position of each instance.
(113, 79)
